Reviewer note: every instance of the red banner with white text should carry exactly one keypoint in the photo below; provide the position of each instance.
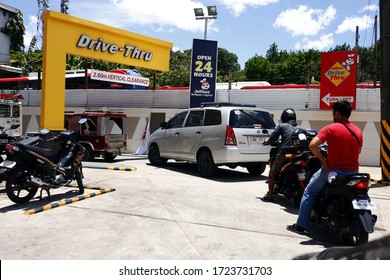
(338, 78)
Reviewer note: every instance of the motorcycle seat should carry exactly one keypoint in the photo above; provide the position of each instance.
(357, 176)
(49, 154)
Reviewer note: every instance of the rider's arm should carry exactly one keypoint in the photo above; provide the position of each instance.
(274, 136)
(313, 146)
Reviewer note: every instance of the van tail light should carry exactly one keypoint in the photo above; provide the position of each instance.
(106, 144)
(230, 137)
(125, 143)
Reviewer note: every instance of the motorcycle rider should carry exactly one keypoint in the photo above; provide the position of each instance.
(345, 143)
(285, 131)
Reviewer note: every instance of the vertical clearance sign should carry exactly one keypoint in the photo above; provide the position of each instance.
(338, 78)
(203, 72)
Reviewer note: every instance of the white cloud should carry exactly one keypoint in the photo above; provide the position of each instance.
(305, 21)
(237, 7)
(161, 16)
(369, 8)
(323, 43)
(31, 31)
(349, 24)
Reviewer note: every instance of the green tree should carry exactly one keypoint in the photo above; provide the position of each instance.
(272, 54)
(28, 61)
(340, 48)
(227, 63)
(15, 29)
(179, 70)
(258, 68)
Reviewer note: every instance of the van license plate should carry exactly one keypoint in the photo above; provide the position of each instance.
(363, 204)
(256, 140)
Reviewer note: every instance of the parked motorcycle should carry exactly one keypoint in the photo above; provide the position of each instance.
(29, 166)
(344, 208)
(293, 177)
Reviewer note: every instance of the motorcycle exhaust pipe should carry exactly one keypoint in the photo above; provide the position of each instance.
(38, 182)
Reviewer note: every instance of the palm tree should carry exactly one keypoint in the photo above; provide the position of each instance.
(15, 29)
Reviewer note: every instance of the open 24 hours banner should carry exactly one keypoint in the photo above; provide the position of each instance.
(338, 78)
(203, 72)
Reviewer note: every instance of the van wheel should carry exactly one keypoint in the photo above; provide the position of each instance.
(109, 157)
(206, 166)
(155, 157)
(256, 170)
(88, 154)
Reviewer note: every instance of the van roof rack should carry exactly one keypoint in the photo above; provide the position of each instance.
(103, 110)
(224, 104)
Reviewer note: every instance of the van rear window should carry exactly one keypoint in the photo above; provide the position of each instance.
(250, 119)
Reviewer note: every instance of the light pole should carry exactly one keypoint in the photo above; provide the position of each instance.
(212, 14)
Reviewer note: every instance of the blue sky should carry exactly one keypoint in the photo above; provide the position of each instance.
(244, 27)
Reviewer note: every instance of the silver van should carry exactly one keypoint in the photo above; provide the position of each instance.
(212, 135)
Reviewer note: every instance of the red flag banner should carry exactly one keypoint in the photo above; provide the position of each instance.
(338, 78)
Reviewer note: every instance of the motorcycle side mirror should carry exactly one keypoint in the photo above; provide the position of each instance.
(83, 120)
(302, 137)
(44, 131)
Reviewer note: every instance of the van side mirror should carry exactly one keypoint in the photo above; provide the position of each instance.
(163, 125)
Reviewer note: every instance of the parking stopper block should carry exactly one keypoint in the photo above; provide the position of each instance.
(66, 201)
(112, 168)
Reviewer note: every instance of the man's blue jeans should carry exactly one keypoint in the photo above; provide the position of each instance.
(317, 183)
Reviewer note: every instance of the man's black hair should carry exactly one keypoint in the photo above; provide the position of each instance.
(343, 107)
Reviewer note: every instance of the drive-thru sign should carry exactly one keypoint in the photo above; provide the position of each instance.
(65, 34)
(338, 78)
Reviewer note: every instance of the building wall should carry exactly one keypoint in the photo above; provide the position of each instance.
(5, 41)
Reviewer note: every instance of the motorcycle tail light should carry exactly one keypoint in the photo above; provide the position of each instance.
(303, 164)
(362, 185)
(11, 148)
(230, 137)
(288, 155)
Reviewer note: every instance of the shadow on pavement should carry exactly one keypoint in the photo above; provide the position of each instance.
(223, 175)
(36, 202)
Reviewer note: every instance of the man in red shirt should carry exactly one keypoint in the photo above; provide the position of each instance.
(345, 143)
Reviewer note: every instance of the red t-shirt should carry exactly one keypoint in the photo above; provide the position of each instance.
(343, 148)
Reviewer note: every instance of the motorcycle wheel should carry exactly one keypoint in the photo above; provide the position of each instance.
(79, 179)
(88, 154)
(357, 236)
(18, 189)
(295, 190)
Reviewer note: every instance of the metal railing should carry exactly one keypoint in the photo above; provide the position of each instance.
(272, 99)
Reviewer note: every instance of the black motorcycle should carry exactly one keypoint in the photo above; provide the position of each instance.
(300, 165)
(29, 166)
(344, 208)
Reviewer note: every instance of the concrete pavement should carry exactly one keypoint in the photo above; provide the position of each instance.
(166, 213)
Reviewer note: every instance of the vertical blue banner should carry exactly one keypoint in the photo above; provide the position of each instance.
(203, 72)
